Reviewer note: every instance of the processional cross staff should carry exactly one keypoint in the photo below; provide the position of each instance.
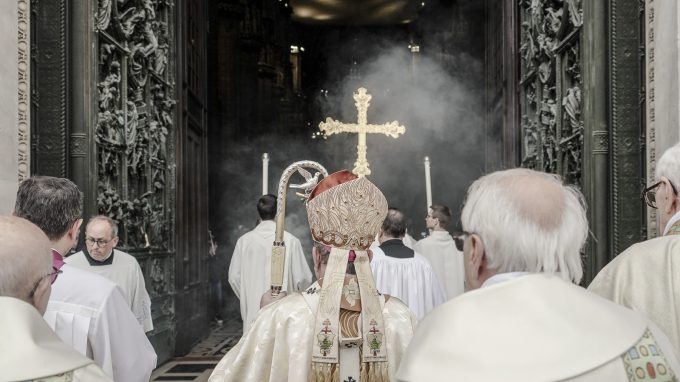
(362, 101)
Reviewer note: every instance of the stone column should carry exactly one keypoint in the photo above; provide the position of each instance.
(662, 43)
(14, 99)
(596, 144)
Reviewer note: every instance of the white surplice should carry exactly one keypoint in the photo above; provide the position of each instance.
(89, 312)
(127, 274)
(29, 349)
(278, 346)
(408, 241)
(250, 268)
(412, 280)
(536, 327)
(644, 278)
(446, 260)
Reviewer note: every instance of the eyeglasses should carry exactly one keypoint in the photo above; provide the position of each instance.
(99, 242)
(650, 193)
(460, 240)
(53, 277)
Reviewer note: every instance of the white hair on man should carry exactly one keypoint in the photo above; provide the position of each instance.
(528, 221)
(669, 165)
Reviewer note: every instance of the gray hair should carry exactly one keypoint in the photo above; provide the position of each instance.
(669, 166)
(53, 204)
(525, 228)
(104, 218)
(24, 256)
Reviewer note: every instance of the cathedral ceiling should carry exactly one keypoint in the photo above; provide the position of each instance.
(356, 12)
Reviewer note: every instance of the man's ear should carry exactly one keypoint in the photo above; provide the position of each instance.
(42, 295)
(74, 231)
(478, 257)
(674, 205)
(114, 241)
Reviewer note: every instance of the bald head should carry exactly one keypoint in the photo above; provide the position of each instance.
(538, 198)
(394, 225)
(25, 257)
(528, 221)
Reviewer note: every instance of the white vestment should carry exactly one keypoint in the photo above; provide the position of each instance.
(536, 327)
(644, 278)
(127, 274)
(446, 260)
(278, 346)
(29, 349)
(411, 280)
(408, 241)
(89, 312)
(250, 268)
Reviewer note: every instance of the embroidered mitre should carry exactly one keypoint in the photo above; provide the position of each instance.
(345, 213)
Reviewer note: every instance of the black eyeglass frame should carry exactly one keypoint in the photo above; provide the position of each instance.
(54, 274)
(100, 242)
(649, 193)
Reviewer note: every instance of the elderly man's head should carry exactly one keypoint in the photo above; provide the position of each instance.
(522, 220)
(25, 262)
(664, 193)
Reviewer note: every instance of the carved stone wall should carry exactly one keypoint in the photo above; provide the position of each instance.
(662, 25)
(49, 75)
(13, 99)
(626, 123)
(650, 87)
(581, 104)
(551, 87)
(134, 134)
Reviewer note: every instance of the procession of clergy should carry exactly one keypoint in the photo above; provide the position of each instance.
(378, 310)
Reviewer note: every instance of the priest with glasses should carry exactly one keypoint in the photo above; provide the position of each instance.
(644, 276)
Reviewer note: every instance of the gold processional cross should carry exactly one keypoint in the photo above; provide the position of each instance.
(362, 101)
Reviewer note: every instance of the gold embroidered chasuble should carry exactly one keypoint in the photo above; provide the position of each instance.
(278, 346)
(644, 278)
(536, 327)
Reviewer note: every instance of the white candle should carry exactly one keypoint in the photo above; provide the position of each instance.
(428, 186)
(265, 173)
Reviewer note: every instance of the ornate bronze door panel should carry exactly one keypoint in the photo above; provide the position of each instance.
(192, 202)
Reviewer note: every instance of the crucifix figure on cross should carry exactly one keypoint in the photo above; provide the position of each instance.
(362, 101)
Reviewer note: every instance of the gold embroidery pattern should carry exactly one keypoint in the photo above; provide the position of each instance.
(349, 323)
(646, 362)
(347, 216)
(675, 229)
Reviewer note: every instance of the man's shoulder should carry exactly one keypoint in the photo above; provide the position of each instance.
(125, 258)
(293, 306)
(290, 237)
(524, 316)
(659, 246)
(422, 261)
(394, 305)
(648, 252)
(80, 281)
(76, 258)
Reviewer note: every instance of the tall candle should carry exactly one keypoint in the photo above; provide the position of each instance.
(428, 186)
(265, 174)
